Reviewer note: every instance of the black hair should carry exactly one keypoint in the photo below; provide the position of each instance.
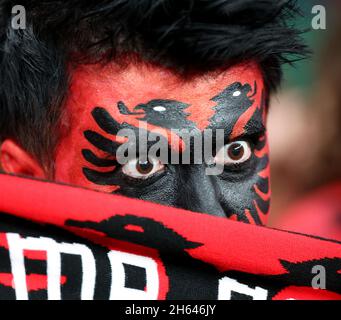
(185, 35)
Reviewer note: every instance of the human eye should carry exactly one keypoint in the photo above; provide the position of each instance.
(143, 169)
(234, 153)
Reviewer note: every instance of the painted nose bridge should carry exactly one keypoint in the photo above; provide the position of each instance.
(199, 192)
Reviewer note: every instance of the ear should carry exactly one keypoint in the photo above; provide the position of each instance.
(15, 160)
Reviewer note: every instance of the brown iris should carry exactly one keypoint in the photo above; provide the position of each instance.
(144, 167)
(236, 151)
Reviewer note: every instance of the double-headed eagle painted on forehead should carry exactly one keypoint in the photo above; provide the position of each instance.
(163, 116)
(233, 109)
(173, 114)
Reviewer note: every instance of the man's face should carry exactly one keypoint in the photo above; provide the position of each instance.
(106, 99)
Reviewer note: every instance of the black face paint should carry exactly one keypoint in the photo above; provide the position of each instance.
(234, 99)
(241, 192)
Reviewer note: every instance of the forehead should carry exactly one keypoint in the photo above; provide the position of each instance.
(105, 86)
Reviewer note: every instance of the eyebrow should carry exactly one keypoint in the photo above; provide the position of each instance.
(257, 128)
(104, 162)
(101, 143)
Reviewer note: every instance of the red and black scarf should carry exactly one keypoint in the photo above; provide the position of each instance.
(62, 242)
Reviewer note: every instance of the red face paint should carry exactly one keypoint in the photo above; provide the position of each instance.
(232, 99)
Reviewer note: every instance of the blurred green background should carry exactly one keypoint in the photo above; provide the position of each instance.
(304, 72)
